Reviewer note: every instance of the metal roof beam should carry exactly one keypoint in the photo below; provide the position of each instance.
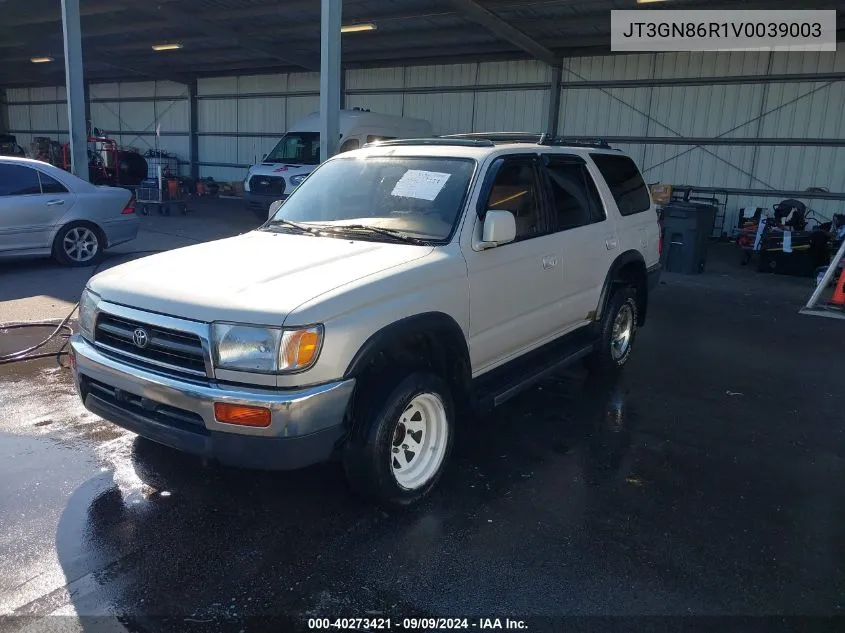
(211, 29)
(496, 25)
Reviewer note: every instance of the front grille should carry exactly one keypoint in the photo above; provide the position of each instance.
(180, 351)
(267, 185)
(150, 409)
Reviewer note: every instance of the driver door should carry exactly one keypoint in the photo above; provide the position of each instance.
(515, 289)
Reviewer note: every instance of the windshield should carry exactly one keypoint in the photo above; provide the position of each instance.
(302, 148)
(421, 197)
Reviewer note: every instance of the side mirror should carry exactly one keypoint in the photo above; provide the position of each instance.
(499, 228)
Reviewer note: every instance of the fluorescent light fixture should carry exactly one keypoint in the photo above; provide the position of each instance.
(167, 47)
(649, 1)
(41, 60)
(358, 28)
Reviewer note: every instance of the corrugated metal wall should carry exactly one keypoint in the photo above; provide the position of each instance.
(713, 95)
(128, 112)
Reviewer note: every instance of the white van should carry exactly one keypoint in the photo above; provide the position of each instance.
(298, 153)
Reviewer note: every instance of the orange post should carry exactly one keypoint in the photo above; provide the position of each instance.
(839, 290)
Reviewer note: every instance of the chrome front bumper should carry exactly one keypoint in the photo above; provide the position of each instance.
(306, 424)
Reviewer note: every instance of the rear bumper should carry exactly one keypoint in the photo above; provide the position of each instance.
(124, 230)
(260, 202)
(306, 424)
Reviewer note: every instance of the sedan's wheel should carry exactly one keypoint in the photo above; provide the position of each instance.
(401, 438)
(419, 441)
(78, 245)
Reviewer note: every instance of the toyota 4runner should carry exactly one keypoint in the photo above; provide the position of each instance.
(400, 287)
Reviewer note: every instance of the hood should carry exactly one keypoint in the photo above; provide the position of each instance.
(259, 277)
(285, 170)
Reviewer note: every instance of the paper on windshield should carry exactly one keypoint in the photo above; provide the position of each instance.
(423, 185)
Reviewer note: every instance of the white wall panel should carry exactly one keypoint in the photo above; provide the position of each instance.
(606, 68)
(251, 84)
(106, 116)
(604, 112)
(304, 82)
(262, 115)
(44, 117)
(217, 86)
(44, 93)
(61, 117)
(298, 107)
(251, 149)
(705, 110)
(449, 75)
(448, 113)
(511, 111)
(516, 72)
(104, 91)
(386, 104)
(218, 149)
(19, 117)
(14, 95)
(217, 115)
(132, 89)
(719, 166)
(375, 78)
(137, 116)
(174, 116)
(170, 89)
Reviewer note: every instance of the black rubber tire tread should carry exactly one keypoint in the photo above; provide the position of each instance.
(601, 361)
(366, 454)
(59, 254)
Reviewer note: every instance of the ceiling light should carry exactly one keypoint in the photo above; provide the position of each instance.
(357, 28)
(41, 60)
(649, 1)
(166, 47)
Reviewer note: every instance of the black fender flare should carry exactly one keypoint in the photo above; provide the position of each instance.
(628, 257)
(426, 322)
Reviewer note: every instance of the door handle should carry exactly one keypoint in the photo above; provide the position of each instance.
(549, 262)
(55, 203)
(611, 243)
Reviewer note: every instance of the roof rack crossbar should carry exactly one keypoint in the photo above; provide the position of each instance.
(461, 142)
(539, 139)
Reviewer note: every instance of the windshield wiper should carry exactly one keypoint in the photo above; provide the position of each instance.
(391, 233)
(294, 225)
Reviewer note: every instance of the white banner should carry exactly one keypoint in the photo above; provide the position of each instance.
(656, 31)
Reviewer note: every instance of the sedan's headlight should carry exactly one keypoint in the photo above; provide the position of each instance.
(295, 180)
(265, 350)
(88, 303)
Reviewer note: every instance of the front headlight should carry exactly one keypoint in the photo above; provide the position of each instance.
(88, 303)
(265, 350)
(295, 180)
(246, 183)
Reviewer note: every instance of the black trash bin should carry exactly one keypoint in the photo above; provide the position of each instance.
(687, 227)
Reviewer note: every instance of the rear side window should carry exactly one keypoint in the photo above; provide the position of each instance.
(625, 182)
(50, 184)
(574, 197)
(17, 180)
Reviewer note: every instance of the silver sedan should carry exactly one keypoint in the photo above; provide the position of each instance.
(46, 211)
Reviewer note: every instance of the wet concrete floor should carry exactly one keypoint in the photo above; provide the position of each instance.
(710, 480)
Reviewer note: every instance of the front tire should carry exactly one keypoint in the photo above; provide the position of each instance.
(78, 244)
(617, 334)
(401, 440)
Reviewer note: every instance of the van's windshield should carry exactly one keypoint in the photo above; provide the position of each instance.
(301, 148)
(416, 197)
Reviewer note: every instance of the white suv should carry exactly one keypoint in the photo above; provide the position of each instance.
(399, 288)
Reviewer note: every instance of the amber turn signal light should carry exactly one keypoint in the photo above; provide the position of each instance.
(241, 414)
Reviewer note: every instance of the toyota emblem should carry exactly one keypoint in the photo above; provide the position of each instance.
(140, 338)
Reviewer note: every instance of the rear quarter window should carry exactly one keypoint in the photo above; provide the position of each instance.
(625, 182)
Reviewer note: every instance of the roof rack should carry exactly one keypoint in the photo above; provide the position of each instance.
(461, 142)
(539, 139)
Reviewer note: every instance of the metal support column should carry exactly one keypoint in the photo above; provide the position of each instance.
(554, 101)
(194, 131)
(329, 77)
(75, 85)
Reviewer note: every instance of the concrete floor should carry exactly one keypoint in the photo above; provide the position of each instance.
(707, 481)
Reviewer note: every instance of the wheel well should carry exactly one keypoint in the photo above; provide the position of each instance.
(439, 350)
(633, 274)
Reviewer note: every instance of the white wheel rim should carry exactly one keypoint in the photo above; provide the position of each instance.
(623, 328)
(419, 441)
(80, 244)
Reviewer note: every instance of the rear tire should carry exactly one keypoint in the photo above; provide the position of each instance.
(401, 440)
(78, 244)
(617, 334)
